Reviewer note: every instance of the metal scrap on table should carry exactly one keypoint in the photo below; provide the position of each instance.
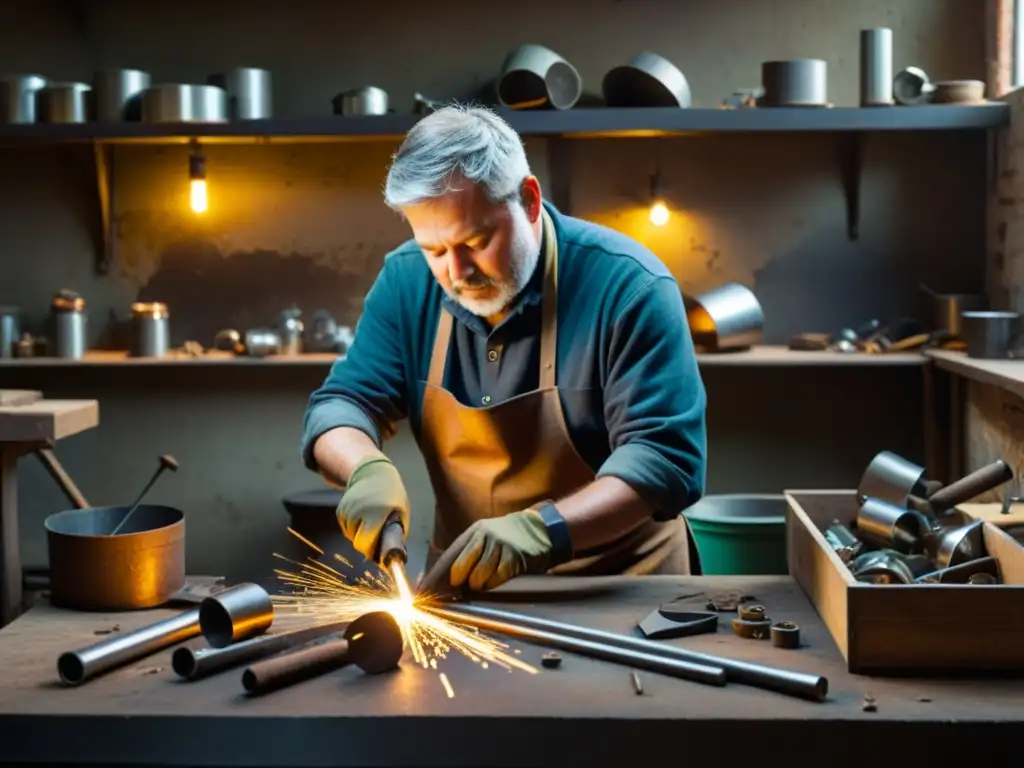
(908, 530)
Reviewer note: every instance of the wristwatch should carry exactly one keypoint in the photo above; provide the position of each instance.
(558, 532)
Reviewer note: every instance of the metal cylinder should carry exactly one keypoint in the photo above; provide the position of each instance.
(118, 94)
(890, 526)
(196, 663)
(10, 331)
(238, 613)
(799, 684)
(249, 92)
(698, 672)
(726, 317)
(69, 325)
(535, 76)
(368, 100)
(63, 103)
(209, 104)
(75, 667)
(152, 332)
(989, 335)
(795, 83)
(18, 97)
(891, 478)
(876, 67)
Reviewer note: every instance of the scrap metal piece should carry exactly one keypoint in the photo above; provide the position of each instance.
(843, 542)
(869, 703)
(638, 686)
(792, 683)
(752, 612)
(551, 660)
(757, 629)
(785, 634)
(961, 545)
(984, 570)
(886, 566)
(669, 621)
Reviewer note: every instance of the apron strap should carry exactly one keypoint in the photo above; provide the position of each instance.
(439, 357)
(549, 306)
(549, 319)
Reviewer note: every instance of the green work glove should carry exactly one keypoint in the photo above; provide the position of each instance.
(374, 491)
(501, 548)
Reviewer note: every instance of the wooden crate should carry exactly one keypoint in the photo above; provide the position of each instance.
(906, 629)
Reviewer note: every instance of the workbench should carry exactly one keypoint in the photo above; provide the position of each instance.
(28, 423)
(583, 713)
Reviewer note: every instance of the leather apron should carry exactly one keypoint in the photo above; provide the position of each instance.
(491, 461)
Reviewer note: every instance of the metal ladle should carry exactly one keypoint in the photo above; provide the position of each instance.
(166, 462)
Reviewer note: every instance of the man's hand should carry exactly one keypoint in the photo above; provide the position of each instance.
(490, 552)
(373, 493)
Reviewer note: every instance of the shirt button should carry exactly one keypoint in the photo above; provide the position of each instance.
(485, 399)
(492, 355)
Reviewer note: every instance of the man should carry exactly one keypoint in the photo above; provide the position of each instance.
(545, 364)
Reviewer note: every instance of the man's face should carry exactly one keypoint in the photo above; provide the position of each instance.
(482, 254)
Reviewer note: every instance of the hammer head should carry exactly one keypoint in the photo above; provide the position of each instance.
(375, 642)
(169, 462)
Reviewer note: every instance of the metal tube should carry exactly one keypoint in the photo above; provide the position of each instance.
(75, 667)
(799, 684)
(295, 667)
(243, 611)
(876, 67)
(685, 669)
(196, 663)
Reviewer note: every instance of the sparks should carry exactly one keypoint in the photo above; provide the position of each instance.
(319, 593)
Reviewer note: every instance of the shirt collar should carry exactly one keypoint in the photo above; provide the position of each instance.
(530, 296)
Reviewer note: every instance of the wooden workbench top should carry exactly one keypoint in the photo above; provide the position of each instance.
(583, 712)
(47, 420)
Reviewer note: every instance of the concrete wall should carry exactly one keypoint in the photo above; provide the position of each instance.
(304, 223)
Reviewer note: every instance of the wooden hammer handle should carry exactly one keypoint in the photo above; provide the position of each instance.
(974, 484)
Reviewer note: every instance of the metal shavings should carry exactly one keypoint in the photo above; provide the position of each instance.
(115, 628)
(924, 699)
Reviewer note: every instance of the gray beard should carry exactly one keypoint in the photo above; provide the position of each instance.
(524, 258)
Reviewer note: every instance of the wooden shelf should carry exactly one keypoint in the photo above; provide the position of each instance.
(582, 122)
(758, 356)
(1007, 374)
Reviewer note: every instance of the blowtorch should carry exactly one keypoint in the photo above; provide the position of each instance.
(392, 555)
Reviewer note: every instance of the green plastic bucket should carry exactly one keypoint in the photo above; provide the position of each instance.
(740, 534)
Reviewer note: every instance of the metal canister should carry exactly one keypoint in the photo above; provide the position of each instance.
(292, 330)
(152, 331)
(876, 67)
(249, 92)
(63, 103)
(69, 325)
(119, 94)
(18, 97)
(10, 331)
(795, 83)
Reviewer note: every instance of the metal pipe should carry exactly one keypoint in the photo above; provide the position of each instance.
(75, 667)
(196, 663)
(243, 611)
(684, 669)
(799, 684)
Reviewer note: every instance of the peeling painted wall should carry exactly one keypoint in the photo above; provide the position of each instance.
(305, 223)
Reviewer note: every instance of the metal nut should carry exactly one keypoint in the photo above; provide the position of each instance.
(753, 612)
(785, 634)
(752, 630)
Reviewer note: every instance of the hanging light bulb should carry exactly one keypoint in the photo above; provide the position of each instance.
(197, 181)
(659, 211)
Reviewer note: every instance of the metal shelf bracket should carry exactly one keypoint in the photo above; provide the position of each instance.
(851, 161)
(104, 156)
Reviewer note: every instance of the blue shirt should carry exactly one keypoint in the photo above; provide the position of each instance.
(626, 370)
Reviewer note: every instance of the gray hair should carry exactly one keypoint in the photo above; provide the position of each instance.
(471, 142)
